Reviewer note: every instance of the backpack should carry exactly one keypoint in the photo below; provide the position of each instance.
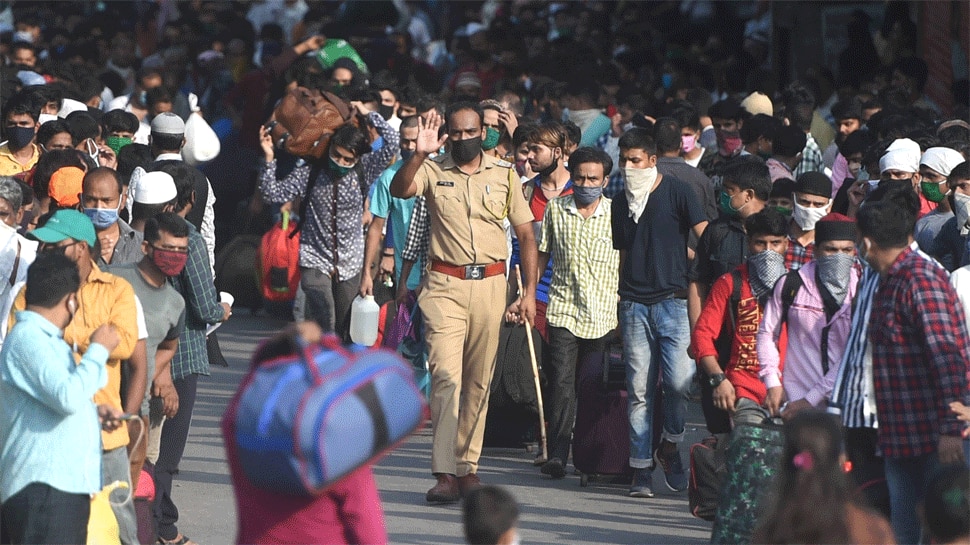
(306, 416)
(279, 262)
(792, 283)
(305, 119)
(707, 472)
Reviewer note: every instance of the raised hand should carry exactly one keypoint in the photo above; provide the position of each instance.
(428, 141)
(266, 142)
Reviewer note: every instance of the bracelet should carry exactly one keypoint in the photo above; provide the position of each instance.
(385, 254)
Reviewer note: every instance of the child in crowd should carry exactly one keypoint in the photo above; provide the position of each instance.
(491, 515)
(813, 500)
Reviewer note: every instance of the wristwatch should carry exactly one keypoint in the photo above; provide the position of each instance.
(716, 380)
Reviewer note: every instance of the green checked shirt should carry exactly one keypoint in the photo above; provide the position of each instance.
(202, 308)
(585, 268)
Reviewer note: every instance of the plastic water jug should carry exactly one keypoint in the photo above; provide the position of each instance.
(364, 316)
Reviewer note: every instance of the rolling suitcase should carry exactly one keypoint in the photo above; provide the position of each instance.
(752, 460)
(601, 437)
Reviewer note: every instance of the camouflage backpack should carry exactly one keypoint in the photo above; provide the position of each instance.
(752, 460)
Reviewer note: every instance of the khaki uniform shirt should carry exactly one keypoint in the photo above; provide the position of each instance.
(467, 211)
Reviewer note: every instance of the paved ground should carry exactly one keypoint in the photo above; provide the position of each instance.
(552, 511)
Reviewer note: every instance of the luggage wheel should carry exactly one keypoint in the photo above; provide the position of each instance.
(583, 480)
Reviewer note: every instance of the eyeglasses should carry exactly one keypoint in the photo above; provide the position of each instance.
(54, 248)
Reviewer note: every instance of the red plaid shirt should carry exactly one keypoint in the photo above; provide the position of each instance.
(798, 255)
(919, 357)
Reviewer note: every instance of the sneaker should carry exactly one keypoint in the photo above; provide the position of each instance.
(642, 486)
(554, 468)
(674, 474)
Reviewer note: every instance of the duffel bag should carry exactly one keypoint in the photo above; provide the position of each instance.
(305, 120)
(305, 420)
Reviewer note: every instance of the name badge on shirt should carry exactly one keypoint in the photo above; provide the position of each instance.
(445, 183)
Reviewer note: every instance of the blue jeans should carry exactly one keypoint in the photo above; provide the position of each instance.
(655, 339)
(907, 479)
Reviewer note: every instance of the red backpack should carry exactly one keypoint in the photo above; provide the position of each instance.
(279, 256)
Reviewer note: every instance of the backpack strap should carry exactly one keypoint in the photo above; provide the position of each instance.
(793, 283)
(735, 298)
(315, 168)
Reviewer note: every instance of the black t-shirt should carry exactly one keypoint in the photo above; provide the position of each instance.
(721, 248)
(656, 246)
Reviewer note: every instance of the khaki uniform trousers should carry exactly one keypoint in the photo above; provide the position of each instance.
(462, 323)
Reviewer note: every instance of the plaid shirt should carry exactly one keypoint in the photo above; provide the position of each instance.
(419, 233)
(201, 309)
(798, 255)
(585, 268)
(919, 357)
(811, 158)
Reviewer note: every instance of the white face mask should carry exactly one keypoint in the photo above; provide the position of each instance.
(962, 212)
(639, 182)
(44, 118)
(806, 218)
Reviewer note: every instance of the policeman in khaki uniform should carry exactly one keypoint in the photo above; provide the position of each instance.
(469, 195)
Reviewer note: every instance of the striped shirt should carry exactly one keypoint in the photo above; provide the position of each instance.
(853, 395)
(585, 271)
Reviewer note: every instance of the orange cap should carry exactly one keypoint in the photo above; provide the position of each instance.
(65, 186)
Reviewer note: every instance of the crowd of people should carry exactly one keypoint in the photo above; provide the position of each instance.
(609, 173)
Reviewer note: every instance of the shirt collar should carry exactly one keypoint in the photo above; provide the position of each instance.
(447, 162)
(42, 323)
(900, 261)
(169, 157)
(126, 230)
(570, 205)
(97, 275)
(5, 150)
(674, 160)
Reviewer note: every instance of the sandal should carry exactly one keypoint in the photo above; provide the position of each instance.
(180, 540)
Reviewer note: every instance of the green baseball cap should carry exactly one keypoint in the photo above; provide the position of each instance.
(66, 224)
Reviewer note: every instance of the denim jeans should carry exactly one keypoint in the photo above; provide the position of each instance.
(655, 339)
(747, 411)
(907, 479)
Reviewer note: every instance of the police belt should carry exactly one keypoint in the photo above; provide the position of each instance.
(469, 272)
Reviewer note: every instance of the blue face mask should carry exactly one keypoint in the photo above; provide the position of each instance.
(102, 218)
(406, 154)
(585, 196)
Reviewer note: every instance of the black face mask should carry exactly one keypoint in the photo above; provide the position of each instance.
(385, 111)
(465, 151)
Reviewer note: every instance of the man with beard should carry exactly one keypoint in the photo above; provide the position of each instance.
(815, 303)
(848, 119)
(20, 125)
(547, 146)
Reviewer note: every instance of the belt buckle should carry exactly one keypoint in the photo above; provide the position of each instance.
(474, 272)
